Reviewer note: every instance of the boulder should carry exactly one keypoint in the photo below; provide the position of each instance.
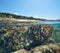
(37, 34)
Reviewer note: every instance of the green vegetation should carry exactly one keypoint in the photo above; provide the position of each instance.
(9, 15)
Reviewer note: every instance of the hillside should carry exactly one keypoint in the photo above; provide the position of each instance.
(9, 15)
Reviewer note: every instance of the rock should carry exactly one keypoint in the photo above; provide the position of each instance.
(16, 39)
(50, 40)
(37, 34)
(21, 51)
(50, 48)
(48, 29)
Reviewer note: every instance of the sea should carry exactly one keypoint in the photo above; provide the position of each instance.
(55, 36)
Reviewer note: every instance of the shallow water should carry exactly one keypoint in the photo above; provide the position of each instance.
(3, 27)
(47, 22)
(56, 32)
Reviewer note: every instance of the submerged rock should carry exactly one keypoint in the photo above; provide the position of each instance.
(16, 39)
(50, 48)
(35, 35)
(21, 51)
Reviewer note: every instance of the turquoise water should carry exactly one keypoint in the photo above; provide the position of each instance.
(56, 26)
(56, 29)
(56, 32)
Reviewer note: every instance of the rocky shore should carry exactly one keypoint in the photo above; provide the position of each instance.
(48, 48)
(19, 38)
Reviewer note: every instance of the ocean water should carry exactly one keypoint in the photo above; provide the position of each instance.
(8, 46)
(56, 32)
(56, 29)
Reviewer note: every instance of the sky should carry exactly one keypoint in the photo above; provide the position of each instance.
(47, 9)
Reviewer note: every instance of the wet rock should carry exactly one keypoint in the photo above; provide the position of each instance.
(50, 48)
(35, 35)
(21, 51)
(16, 39)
